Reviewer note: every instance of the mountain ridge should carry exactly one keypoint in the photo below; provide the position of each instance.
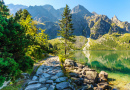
(84, 22)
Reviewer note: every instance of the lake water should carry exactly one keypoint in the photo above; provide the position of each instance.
(115, 63)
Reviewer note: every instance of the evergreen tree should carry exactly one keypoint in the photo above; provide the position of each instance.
(4, 11)
(66, 26)
(21, 15)
(110, 31)
(13, 42)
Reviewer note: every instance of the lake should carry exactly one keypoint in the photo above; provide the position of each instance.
(115, 63)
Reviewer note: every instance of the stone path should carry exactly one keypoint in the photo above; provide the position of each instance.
(49, 76)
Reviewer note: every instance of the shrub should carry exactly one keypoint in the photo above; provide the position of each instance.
(8, 67)
(62, 58)
(25, 63)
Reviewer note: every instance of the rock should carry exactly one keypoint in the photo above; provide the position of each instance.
(73, 86)
(46, 75)
(49, 81)
(69, 63)
(103, 85)
(47, 85)
(90, 86)
(39, 71)
(74, 75)
(79, 81)
(80, 66)
(42, 66)
(44, 88)
(103, 76)
(52, 87)
(97, 88)
(42, 80)
(87, 87)
(62, 85)
(34, 78)
(54, 77)
(61, 79)
(69, 89)
(32, 82)
(54, 84)
(33, 86)
(59, 74)
(91, 76)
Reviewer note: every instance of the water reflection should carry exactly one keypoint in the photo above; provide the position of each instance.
(114, 61)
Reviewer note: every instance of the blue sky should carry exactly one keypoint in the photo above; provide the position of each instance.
(120, 8)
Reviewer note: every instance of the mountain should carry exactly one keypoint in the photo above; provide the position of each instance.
(101, 24)
(56, 13)
(123, 25)
(14, 8)
(84, 22)
(81, 11)
(40, 14)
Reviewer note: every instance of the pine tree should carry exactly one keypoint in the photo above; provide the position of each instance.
(21, 15)
(66, 26)
(110, 31)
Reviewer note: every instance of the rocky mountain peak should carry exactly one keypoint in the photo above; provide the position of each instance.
(48, 7)
(80, 9)
(94, 13)
(115, 19)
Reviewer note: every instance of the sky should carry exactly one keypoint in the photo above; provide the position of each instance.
(120, 8)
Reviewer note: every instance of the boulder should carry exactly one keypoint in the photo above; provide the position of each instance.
(69, 63)
(90, 77)
(103, 76)
(62, 85)
(79, 81)
(80, 66)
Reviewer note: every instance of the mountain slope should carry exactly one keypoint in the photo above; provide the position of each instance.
(40, 14)
(84, 22)
(111, 42)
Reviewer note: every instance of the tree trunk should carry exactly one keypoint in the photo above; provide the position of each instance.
(65, 46)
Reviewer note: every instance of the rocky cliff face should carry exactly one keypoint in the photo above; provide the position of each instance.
(101, 24)
(85, 23)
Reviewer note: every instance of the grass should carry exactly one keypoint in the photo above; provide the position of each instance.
(111, 42)
(79, 43)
